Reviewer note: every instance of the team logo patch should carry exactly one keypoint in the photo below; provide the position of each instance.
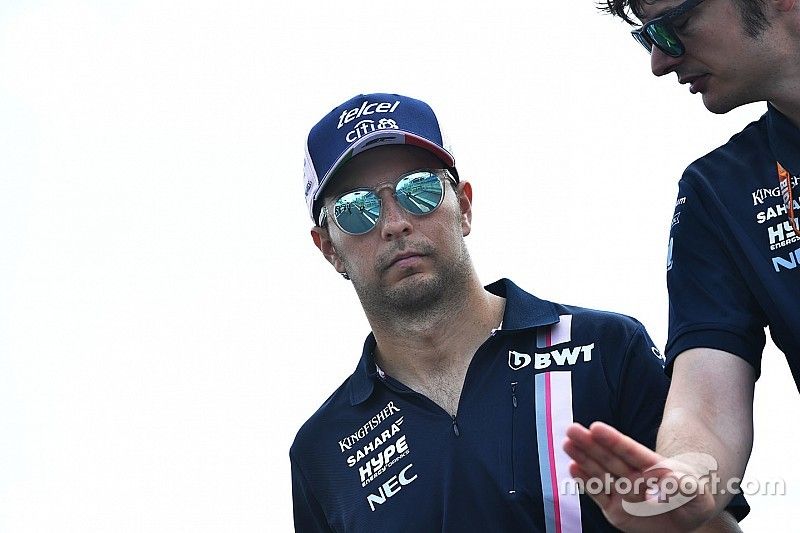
(571, 355)
(517, 360)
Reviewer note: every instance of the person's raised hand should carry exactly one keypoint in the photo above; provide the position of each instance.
(638, 489)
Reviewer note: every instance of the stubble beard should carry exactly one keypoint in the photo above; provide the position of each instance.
(418, 297)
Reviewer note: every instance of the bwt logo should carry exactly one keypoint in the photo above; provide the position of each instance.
(566, 356)
(392, 486)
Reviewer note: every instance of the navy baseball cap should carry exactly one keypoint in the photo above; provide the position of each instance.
(363, 122)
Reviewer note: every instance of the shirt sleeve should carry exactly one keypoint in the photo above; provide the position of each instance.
(642, 392)
(710, 305)
(308, 514)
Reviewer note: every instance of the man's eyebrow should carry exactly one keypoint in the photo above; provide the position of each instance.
(668, 11)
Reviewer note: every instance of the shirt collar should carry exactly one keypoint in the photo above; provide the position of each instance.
(784, 140)
(522, 311)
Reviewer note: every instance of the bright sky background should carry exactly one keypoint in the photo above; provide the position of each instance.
(166, 324)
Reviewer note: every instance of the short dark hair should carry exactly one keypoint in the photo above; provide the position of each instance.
(752, 12)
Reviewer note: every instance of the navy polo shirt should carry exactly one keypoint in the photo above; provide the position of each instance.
(378, 456)
(734, 261)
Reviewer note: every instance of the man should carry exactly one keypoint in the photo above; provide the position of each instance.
(733, 249)
(454, 416)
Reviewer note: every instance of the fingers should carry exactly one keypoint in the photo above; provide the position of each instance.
(610, 452)
(601, 498)
(637, 456)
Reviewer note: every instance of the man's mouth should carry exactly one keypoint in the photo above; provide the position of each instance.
(697, 84)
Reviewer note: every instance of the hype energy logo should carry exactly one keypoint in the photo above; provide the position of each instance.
(367, 124)
(379, 453)
(382, 461)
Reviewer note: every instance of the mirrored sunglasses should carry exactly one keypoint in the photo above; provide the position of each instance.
(419, 192)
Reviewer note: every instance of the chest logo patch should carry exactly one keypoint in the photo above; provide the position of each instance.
(565, 356)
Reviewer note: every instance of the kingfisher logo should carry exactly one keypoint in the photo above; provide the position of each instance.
(565, 356)
(759, 195)
(347, 442)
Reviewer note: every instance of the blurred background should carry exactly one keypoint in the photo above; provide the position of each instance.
(166, 324)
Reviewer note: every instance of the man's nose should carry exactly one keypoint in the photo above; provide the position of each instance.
(395, 221)
(661, 63)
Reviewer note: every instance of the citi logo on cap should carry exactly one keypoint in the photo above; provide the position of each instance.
(368, 126)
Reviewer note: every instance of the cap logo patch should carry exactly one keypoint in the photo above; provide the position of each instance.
(366, 108)
(368, 126)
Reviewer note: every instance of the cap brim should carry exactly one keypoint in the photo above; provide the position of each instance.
(384, 138)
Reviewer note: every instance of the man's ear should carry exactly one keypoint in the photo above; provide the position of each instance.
(322, 240)
(465, 203)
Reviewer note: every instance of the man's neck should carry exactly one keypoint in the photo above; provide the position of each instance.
(790, 108)
(784, 89)
(434, 349)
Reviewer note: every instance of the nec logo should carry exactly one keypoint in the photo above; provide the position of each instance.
(565, 356)
(392, 486)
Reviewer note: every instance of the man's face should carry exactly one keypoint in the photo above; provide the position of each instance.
(406, 262)
(727, 66)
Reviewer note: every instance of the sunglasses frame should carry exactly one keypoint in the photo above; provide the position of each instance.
(642, 35)
(442, 174)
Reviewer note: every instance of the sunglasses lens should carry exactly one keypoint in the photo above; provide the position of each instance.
(357, 212)
(664, 37)
(420, 193)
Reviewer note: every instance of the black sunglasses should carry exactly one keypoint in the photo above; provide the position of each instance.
(661, 33)
(419, 192)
